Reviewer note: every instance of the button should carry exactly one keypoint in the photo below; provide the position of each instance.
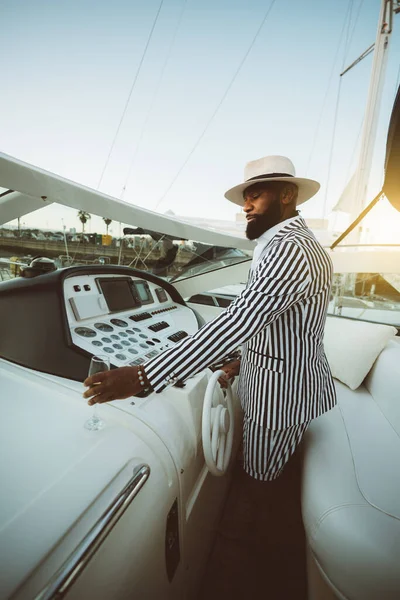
(77, 288)
(87, 287)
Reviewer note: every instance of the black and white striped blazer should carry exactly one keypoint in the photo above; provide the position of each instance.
(279, 321)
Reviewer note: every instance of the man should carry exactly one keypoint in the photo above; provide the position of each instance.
(279, 320)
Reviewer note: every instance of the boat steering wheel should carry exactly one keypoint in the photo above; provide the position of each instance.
(217, 427)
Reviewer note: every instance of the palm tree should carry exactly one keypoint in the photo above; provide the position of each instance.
(107, 222)
(83, 217)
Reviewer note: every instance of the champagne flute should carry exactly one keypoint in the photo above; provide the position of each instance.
(98, 364)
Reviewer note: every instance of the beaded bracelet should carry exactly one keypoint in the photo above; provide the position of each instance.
(141, 379)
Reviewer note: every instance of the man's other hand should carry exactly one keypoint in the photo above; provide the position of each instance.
(231, 371)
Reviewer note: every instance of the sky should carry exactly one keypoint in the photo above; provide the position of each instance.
(194, 118)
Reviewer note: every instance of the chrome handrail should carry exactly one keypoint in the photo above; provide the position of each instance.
(70, 570)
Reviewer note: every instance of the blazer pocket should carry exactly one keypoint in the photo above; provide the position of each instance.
(270, 363)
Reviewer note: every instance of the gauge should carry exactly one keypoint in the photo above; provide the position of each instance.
(106, 340)
(119, 323)
(120, 356)
(114, 336)
(104, 327)
(97, 343)
(109, 350)
(85, 332)
(133, 351)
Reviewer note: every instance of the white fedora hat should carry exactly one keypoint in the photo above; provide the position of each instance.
(272, 168)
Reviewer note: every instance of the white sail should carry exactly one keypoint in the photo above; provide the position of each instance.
(347, 200)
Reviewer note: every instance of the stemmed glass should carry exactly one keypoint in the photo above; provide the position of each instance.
(98, 364)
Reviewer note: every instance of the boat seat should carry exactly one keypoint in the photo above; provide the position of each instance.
(351, 489)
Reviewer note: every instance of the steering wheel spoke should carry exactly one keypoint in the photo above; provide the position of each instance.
(217, 426)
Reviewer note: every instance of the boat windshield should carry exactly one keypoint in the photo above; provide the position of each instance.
(357, 293)
(71, 237)
(371, 292)
(366, 283)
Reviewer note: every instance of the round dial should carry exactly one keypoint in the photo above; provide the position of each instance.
(119, 323)
(104, 327)
(85, 332)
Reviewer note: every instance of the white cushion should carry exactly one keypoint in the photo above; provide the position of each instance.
(383, 383)
(352, 347)
(351, 497)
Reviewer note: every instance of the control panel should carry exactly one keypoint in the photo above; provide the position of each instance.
(66, 316)
(124, 317)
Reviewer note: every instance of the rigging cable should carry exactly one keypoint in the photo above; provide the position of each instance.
(328, 177)
(130, 93)
(354, 26)
(327, 91)
(154, 98)
(218, 106)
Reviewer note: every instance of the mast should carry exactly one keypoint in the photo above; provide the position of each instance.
(368, 137)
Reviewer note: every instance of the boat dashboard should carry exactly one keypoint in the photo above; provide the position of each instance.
(55, 322)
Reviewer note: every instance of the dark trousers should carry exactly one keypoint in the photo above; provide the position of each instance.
(260, 546)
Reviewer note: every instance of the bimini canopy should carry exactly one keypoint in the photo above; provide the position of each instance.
(33, 188)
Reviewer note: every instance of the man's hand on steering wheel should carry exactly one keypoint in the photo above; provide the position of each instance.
(231, 371)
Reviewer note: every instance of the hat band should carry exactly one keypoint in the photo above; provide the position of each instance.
(268, 175)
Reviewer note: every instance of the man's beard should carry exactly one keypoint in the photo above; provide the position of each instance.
(262, 223)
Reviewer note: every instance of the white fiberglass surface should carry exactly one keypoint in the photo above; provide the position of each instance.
(53, 469)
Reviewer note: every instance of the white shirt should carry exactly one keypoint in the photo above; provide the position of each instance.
(266, 237)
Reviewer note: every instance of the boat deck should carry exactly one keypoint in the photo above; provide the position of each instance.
(260, 544)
